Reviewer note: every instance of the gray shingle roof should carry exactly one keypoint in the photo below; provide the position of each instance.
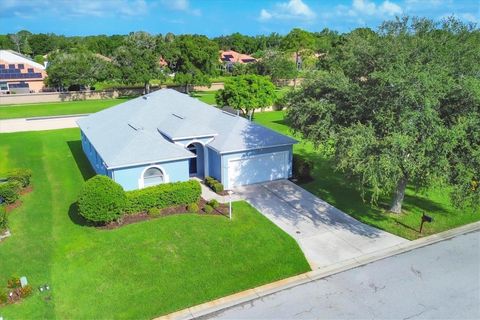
(139, 130)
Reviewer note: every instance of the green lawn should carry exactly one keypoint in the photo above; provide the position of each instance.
(56, 108)
(138, 271)
(334, 188)
(205, 96)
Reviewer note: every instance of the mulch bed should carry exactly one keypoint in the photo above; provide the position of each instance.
(222, 209)
(18, 203)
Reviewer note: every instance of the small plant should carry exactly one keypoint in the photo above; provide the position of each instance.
(3, 298)
(3, 218)
(26, 291)
(9, 191)
(217, 187)
(214, 203)
(208, 209)
(13, 282)
(154, 211)
(302, 168)
(192, 207)
(23, 176)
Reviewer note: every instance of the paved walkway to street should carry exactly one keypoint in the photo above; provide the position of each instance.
(39, 123)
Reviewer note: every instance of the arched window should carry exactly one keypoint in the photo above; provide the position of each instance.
(153, 176)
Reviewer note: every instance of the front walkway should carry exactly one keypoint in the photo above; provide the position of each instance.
(325, 234)
(39, 123)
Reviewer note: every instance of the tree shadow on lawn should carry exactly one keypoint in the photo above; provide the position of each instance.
(80, 159)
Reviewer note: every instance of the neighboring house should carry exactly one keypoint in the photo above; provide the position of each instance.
(167, 136)
(230, 57)
(19, 74)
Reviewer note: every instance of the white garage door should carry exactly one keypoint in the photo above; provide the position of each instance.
(261, 168)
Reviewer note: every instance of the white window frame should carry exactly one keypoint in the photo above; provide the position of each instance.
(141, 182)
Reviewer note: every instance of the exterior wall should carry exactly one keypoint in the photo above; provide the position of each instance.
(226, 157)
(214, 164)
(93, 157)
(129, 177)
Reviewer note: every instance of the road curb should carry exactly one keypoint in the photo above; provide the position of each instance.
(258, 292)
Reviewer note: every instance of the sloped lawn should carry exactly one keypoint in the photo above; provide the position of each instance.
(137, 271)
(336, 189)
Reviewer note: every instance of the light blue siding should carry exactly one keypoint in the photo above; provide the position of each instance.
(129, 177)
(214, 164)
(251, 173)
(93, 157)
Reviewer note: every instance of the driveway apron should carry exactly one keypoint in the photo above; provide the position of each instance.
(325, 234)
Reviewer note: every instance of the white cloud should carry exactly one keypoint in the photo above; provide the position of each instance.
(181, 5)
(77, 7)
(369, 8)
(293, 9)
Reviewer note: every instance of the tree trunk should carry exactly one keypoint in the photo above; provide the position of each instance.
(186, 88)
(399, 195)
(147, 87)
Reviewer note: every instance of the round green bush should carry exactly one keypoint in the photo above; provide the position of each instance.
(101, 200)
(192, 207)
(214, 203)
(9, 191)
(23, 176)
(208, 208)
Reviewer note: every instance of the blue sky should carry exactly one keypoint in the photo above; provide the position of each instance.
(216, 17)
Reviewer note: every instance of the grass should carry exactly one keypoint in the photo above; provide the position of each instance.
(336, 189)
(205, 96)
(56, 108)
(138, 271)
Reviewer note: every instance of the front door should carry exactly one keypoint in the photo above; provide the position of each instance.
(193, 161)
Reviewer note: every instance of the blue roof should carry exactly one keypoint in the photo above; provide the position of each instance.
(143, 130)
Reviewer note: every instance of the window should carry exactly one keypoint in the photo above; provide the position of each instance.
(21, 66)
(153, 176)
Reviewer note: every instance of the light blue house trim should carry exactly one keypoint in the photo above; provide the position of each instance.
(131, 178)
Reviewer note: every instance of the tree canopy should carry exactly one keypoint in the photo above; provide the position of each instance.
(401, 107)
(247, 93)
(138, 60)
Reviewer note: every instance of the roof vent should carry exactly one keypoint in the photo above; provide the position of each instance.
(135, 127)
(229, 113)
(179, 117)
(145, 97)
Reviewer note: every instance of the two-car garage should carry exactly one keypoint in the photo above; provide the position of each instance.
(249, 169)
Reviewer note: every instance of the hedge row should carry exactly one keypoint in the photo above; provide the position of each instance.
(104, 200)
(163, 196)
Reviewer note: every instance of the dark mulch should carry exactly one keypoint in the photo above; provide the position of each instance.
(16, 296)
(26, 190)
(222, 209)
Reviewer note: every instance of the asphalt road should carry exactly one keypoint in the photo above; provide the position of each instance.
(437, 281)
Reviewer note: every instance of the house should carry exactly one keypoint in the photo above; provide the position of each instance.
(230, 57)
(19, 74)
(167, 136)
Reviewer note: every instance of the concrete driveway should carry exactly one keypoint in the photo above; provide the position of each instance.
(325, 234)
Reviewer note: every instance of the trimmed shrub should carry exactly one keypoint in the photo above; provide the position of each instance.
(192, 207)
(154, 211)
(3, 298)
(302, 168)
(101, 199)
(13, 282)
(209, 181)
(217, 187)
(3, 218)
(208, 208)
(163, 195)
(214, 203)
(9, 191)
(21, 175)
